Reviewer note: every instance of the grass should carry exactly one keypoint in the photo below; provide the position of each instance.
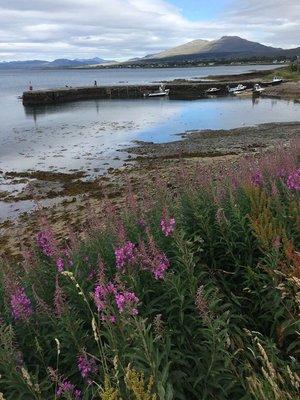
(189, 292)
(290, 73)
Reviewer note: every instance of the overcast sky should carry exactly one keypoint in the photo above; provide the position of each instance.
(122, 29)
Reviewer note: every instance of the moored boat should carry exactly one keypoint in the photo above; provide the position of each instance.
(162, 91)
(238, 88)
(212, 90)
(276, 80)
(257, 89)
(243, 93)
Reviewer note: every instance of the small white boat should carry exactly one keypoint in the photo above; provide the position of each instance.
(257, 89)
(212, 90)
(243, 93)
(276, 80)
(162, 91)
(238, 88)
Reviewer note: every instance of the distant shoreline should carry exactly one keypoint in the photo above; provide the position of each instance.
(146, 66)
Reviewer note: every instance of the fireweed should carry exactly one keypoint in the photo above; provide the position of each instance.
(87, 367)
(102, 293)
(66, 389)
(208, 312)
(20, 305)
(293, 181)
(125, 255)
(45, 243)
(257, 179)
(105, 296)
(153, 259)
(60, 264)
(167, 224)
(127, 302)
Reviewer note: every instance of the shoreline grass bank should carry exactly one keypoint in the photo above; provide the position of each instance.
(188, 291)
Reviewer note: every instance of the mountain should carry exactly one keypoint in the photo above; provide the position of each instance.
(227, 47)
(59, 63)
(194, 47)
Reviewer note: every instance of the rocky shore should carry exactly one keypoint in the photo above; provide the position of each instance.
(218, 143)
(286, 91)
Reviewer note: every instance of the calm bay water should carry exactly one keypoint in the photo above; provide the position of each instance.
(86, 135)
(14, 82)
(93, 135)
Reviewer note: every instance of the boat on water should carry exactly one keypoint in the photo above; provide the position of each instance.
(237, 89)
(243, 93)
(162, 91)
(257, 89)
(276, 80)
(212, 90)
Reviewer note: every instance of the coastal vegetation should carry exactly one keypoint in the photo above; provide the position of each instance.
(186, 291)
(291, 72)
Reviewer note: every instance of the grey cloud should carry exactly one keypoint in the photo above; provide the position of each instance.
(130, 28)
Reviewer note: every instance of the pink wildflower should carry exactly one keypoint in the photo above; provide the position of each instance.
(257, 179)
(87, 366)
(91, 274)
(162, 264)
(127, 302)
(109, 318)
(167, 224)
(67, 253)
(102, 294)
(45, 243)
(124, 255)
(153, 259)
(293, 181)
(60, 264)
(66, 388)
(20, 305)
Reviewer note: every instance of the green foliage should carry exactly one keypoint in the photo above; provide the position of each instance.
(222, 323)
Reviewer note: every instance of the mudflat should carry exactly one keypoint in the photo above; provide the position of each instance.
(207, 149)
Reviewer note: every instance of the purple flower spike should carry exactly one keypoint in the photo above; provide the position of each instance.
(87, 366)
(167, 224)
(60, 264)
(125, 255)
(293, 181)
(257, 179)
(45, 243)
(20, 305)
(66, 388)
(127, 302)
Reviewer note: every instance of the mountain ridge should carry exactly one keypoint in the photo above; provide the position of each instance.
(58, 63)
(225, 47)
(222, 49)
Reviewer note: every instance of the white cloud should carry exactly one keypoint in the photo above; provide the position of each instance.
(121, 29)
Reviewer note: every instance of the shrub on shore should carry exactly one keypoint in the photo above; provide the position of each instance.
(190, 292)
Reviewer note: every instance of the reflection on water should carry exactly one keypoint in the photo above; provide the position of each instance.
(91, 135)
(36, 111)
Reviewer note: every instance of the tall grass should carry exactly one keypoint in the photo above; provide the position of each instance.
(190, 292)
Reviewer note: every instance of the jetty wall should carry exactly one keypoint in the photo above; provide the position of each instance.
(189, 90)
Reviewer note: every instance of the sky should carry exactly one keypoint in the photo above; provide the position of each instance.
(123, 29)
